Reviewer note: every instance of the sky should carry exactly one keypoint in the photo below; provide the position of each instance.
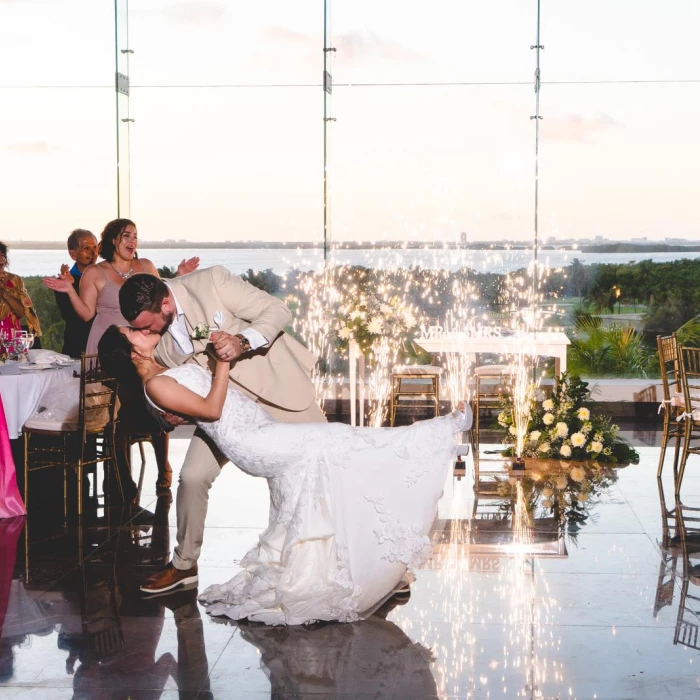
(432, 134)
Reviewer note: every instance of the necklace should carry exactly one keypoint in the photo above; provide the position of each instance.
(124, 275)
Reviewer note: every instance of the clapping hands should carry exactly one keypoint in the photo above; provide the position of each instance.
(62, 283)
(187, 266)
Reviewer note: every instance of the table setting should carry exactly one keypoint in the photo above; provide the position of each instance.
(33, 379)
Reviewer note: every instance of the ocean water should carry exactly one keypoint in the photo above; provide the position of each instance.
(282, 260)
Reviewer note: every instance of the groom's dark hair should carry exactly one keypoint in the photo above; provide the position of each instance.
(141, 293)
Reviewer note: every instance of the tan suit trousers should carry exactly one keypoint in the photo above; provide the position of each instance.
(203, 463)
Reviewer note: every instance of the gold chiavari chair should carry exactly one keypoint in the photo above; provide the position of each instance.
(690, 417)
(415, 386)
(79, 442)
(672, 402)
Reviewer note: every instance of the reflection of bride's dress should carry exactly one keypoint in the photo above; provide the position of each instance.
(350, 509)
(369, 658)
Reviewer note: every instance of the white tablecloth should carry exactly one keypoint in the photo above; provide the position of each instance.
(22, 393)
(543, 343)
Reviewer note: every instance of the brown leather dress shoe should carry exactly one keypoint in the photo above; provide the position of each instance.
(170, 578)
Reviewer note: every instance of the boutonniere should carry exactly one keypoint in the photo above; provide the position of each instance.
(202, 331)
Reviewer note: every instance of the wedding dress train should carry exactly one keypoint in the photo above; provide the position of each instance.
(350, 508)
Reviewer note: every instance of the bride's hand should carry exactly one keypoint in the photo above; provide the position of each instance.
(226, 346)
(222, 365)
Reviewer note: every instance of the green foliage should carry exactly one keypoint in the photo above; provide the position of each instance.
(565, 427)
(46, 309)
(167, 273)
(597, 350)
(266, 280)
(689, 333)
(670, 311)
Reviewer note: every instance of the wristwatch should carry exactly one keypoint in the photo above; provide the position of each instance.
(245, 343)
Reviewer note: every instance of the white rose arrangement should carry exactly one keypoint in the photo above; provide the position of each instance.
(563, 426)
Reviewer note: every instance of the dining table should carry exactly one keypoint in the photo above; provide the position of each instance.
(24, 386)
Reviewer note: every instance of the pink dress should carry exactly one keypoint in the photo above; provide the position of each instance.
(11, 503)
(107, 313)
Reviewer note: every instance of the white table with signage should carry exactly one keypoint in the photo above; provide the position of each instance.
(540, 343)
(25, 386)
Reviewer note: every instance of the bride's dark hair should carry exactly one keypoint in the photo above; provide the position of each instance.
(115, 357)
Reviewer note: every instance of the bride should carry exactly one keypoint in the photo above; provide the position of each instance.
(350, 508)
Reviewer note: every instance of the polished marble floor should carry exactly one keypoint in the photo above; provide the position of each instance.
(599, 597)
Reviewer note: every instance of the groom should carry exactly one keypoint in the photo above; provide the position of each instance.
(268, 365)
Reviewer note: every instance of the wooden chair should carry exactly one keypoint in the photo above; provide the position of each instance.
(415, 386)
(672, 402)
(76, 442)
(690, 416)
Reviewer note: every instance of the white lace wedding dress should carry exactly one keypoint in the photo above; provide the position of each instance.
(350, 508)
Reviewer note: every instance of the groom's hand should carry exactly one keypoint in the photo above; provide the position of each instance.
(226, 346)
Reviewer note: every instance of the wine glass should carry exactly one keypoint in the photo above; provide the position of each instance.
(19, 339)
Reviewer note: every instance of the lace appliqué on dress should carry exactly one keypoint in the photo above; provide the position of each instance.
(406, 543)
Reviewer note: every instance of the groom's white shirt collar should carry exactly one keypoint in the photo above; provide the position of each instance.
(178, 327)
(178, 330)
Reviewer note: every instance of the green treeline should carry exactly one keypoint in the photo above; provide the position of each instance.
(667, 294)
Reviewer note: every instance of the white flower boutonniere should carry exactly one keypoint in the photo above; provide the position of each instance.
(202, 331)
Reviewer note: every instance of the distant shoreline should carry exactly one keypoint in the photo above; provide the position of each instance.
(609, 247)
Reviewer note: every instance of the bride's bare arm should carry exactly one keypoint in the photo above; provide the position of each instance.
(175, 398)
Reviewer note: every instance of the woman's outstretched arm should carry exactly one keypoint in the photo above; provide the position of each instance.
(172, 397)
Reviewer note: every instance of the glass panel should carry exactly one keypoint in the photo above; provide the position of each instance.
(238, 164)
(276, 41)
(57, 169)
(123, 116)
(632, 40)
(432, 162)
(441, 41)
(70, 42)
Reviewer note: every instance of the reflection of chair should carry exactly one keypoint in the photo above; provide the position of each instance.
(490, 384)
(688, 620)
(139, 439)
(690, 382)
(670, 551)
(79, 443)
(415, 386)
(672, 397)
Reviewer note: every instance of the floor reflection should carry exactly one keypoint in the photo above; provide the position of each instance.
(606, 585)
(373, 657)
(680, 541)
(108, 635)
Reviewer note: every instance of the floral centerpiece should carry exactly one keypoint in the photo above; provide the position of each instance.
(371, 318)
(565, 427)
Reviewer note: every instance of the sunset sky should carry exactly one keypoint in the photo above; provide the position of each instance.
(227, 138)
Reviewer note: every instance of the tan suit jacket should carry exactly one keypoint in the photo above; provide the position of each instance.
(278, 374)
